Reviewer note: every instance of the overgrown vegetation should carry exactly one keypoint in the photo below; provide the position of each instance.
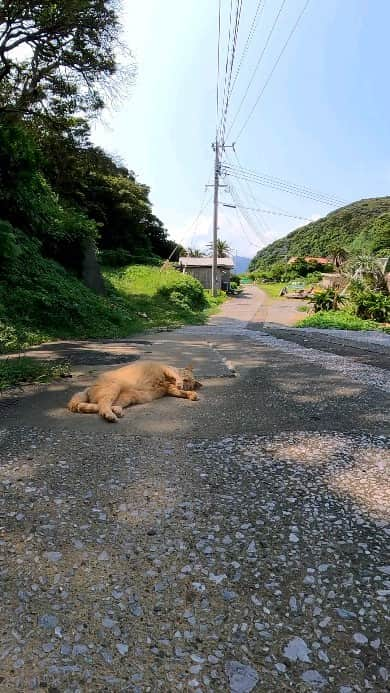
(42, 301)
(61, 197)
(340, 320)
(21, 370)
(363, 226)
(309, 271)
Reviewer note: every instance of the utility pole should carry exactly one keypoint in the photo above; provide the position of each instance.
(214, 268)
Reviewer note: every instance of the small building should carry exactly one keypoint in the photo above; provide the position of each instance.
(200, 268)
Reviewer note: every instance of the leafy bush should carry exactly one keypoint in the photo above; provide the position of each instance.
(313, 277)
(369, 304)
(233, 286)
(339, 320)
(235, 278)
(329, 299)
(8, 246)
(189, 292)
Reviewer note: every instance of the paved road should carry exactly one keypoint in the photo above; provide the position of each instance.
(284, 311)
(237, 543)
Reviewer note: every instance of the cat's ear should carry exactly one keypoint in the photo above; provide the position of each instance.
(197, 384)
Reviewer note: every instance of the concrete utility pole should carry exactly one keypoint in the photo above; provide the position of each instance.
(214, 268)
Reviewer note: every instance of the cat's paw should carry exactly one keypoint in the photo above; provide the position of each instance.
(118, 411)
(109, 416)
(192, 396)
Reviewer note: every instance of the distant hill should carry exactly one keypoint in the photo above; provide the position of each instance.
(241, 264)
(362, 226)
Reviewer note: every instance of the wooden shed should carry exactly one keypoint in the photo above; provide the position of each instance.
(200, 268)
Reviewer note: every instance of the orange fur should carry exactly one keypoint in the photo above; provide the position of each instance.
(137, 383)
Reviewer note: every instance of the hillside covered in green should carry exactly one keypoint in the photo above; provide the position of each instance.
(72, 216)
(361, 227)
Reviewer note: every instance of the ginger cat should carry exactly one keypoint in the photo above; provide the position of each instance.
(137, 383)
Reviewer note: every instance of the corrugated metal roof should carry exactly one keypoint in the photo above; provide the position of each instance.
(206, 262)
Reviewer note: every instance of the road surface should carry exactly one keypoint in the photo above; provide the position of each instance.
(237, 543)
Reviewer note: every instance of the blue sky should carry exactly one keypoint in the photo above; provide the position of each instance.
(322, 122)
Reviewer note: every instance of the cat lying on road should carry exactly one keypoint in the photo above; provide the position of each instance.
(137, 383)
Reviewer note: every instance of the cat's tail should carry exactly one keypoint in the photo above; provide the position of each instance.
(79, 398)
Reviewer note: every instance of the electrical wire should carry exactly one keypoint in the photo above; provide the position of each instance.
(252, 31)
(218, 58)
(280, 214)
(229, 69)
(283, 181)
(251, 195)
(267, 81)
(204, 204)
(257, 65)
(284, 186)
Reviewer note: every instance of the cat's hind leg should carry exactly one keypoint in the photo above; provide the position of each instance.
(130, 397)
(78, 399)
(87, 408)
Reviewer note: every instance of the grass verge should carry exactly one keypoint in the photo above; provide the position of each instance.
(339, 320)
(23, 370)
(41, 301)
(272, 290)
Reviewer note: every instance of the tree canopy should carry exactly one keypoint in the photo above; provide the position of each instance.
(362, 226)
(58, 67)
(57, 56)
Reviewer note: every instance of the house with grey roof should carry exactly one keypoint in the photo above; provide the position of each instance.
(200, 268)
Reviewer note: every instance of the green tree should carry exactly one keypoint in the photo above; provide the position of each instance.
(56, 52)
(339, 256)
(194, 252)
(223, 248)
(366, 270)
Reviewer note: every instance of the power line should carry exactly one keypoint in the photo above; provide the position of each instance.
(227, 59)
(281, 214)
(218, 58)
(255, 245)
(252, 31)
(284, 186)
(274, 67)
(232, 58)
(289, 191)
(205, 202)
(258, 64)
(251, 195)
(236, 199)
(283, 181)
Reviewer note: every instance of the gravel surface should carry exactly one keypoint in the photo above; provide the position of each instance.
(370, 375)
(238, 544)
(256, 563)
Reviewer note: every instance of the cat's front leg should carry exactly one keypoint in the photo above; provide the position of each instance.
(173, 391)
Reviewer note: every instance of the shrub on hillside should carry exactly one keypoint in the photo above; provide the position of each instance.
(368, 304)
(185, 290)
(39, 298)
(329, 299)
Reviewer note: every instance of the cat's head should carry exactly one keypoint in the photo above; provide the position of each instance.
(188, 379)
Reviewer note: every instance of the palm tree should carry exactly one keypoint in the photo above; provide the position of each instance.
(339, 256)
(194, 252)
(367, 270)
(223, 248)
